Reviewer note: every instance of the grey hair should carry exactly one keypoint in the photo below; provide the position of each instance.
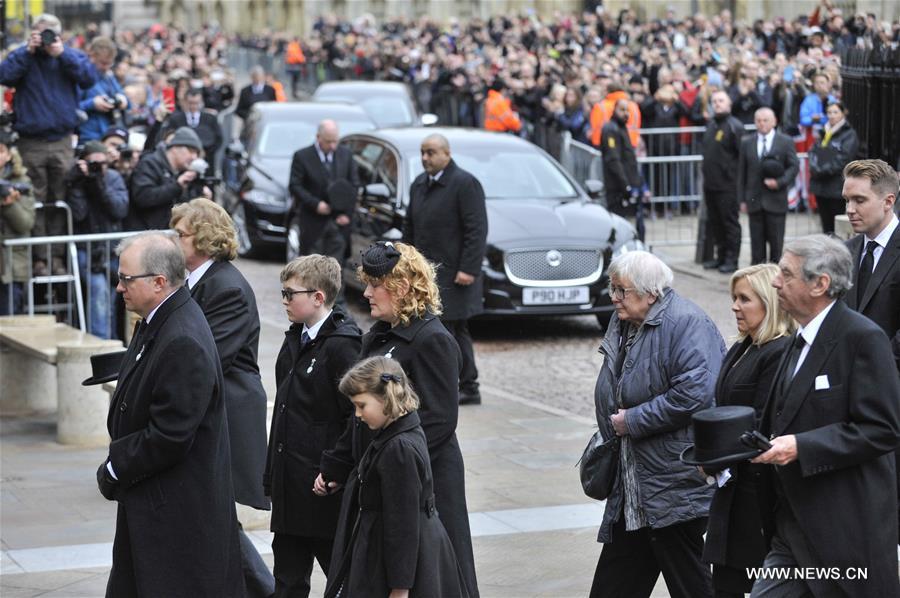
(257, 70)
(51, 21)
(647, 273)
(823, 255)
(160, 254)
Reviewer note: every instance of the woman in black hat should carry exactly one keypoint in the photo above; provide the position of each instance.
(404, 298)
(737, 536)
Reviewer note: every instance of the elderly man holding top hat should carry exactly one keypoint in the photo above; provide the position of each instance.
(833, 413)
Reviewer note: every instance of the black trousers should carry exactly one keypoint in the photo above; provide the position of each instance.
(722, 216)
(630, 564)
(468, 377)
(766, 228)
(829, 207)
(294, 562)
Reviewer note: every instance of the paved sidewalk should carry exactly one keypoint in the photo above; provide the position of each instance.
(535, 532)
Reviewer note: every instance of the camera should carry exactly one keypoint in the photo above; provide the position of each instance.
(125, 152)
(95, 168)
(48, 36)
(8, 186)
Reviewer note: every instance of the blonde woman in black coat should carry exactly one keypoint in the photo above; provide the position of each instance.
(836, 147)
(738, 536)
(404, 298)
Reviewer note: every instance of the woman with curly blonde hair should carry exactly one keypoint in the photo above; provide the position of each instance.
(404, 298)
(209, 242)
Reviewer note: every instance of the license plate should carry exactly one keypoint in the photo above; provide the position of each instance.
(555, 295)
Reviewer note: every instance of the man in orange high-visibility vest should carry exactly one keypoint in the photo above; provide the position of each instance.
(602, 112)
(498, 112)
(295, 63)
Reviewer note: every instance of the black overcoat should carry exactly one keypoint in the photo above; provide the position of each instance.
(430, 357)
(620, 169)
(309, 185)
(448, 224)
(229, 304)
(737, 536)
(826, 164)
(310, 415)
(750, 187)
(399, 541)
(842, 488)
(176, 529)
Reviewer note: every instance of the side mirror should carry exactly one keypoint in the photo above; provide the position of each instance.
(378, 190)
(428, 119)
(594, 187)
(236, 151)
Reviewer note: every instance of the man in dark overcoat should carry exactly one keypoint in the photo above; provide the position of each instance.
(209, 242)
(767, 168)
(870, 190)
(204, 123)
(834, 417)
(257, 91)
(169, 459)
(324, 227)
(447, 222)
(620, 169)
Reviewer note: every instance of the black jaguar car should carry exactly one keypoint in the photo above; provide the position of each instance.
(549, 242)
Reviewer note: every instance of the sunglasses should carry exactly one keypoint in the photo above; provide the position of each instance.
(288, 294)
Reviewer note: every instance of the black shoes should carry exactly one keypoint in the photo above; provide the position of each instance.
(712, 264)
(727, 267)
(469, 397)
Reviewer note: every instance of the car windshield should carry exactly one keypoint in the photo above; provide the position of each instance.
(282, 138)
(508, 174)
(385, 111)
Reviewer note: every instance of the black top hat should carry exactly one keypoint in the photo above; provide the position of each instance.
(105, 367)
(717, 437)
(771, 167)
(379, 259)
(342, 197)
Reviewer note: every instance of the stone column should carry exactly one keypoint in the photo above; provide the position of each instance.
(81, 419)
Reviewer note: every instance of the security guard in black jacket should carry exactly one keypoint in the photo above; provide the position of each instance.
(721, 147)
(620, 169)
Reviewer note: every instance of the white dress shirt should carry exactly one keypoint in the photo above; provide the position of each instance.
(313, 331)
(882, 239)
(764, 143)
(195, 276)
(809, 333)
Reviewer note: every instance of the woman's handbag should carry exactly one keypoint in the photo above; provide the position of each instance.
(599, 465)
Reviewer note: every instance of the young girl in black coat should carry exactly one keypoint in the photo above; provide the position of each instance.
(390, 541)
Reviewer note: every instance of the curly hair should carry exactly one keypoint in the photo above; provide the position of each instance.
(212, 227)
(418, 273)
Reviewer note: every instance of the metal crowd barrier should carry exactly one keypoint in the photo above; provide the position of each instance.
(83, 297)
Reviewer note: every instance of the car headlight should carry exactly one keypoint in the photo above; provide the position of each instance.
(632, 245)
(264, 198)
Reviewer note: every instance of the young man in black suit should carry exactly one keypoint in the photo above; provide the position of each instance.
(833, 414)
(767, 167)
(169, 459)
(204, 124)
(324, 225)
(257, 91)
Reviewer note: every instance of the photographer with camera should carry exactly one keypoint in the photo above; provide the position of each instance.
(105, 103)
(164, 178)
(99, 201)
(122, 158)
(47, 77)
(16, 221)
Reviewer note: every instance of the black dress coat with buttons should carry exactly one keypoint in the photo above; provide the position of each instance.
(389, 534)
(737, 536)
(176, 529)
(430, 357)
(229, 304)
(310, 415)
(842, 488)
(447, 223)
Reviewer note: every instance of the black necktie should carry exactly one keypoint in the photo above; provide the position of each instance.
(793, 358)
(329, 165)
(431, 182)
(304, 340)
(865, 271)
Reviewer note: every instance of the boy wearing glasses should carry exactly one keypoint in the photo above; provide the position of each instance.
(310, 414)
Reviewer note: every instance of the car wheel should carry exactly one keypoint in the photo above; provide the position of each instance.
(293, 240)
(239, 217)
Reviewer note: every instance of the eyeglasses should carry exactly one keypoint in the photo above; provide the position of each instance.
(619, 292)
(125, 279)
(288, 294)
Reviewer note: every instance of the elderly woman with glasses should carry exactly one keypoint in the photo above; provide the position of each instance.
(209, 242)
(403, 297)
(661, 358)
